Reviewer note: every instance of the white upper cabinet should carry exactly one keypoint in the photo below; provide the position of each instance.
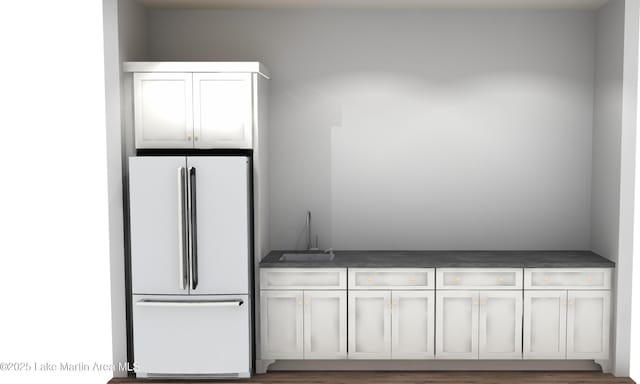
(223, 110)
(163, 109)
(588, 324)
(202, 105)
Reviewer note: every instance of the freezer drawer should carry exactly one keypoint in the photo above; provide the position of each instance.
(191, 336)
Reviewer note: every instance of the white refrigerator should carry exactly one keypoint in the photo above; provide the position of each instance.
(190, 250)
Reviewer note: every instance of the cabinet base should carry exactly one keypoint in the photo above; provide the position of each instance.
(262, 366)
(605, 365)
(429, 365)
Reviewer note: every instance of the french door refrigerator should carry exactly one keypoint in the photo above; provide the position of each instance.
(191, 301)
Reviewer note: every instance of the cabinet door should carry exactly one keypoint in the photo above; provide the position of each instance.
(325, 324)
(500, 325)
(545, 324)
(369, 324)
(163, 109)
(281, 319)
(222, 224)
(158, 260)
(412, 324)
(457, 325)
(588, 324)
(223, 110)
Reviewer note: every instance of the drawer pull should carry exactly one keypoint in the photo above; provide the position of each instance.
(412, 280)
(570, 302)
(370, 279)
(189, 303)
(546, 279)
(589, 279)
(501, 279)
(300, 302)
(457, 279)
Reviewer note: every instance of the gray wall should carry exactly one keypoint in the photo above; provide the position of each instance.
(607, 126)
(124, 39)
(415, 129)
(605, 203)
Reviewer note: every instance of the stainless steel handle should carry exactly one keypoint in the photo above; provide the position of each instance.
(182, 228)
(193, 230)
(192, 303)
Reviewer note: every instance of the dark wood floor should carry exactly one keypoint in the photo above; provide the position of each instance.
(352, 377)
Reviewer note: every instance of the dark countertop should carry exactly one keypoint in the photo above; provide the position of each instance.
(446, 259)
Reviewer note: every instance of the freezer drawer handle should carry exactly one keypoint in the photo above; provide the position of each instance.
(182, 228)
(191, 303)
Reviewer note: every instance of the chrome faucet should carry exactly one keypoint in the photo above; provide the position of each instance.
(309, 247)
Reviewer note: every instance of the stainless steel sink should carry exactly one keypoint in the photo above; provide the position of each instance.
(307, 257)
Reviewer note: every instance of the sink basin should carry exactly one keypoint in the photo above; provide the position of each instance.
(307, 257)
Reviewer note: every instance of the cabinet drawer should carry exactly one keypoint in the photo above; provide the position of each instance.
(393, 278)
(303, 278)
(479, 278)
(567, 278)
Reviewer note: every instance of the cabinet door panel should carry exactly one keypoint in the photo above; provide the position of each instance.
(281, 324)
(157, 263)
(500, 329)
(412, 320)
(163, 109)
(369, 325)
(325, 324)
(588, 324)
(456, 325)
(545, 324)
(223, 110)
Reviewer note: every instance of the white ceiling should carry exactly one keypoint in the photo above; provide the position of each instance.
(380, 4)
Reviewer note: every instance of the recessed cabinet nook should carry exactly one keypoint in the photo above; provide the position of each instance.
(352, 185)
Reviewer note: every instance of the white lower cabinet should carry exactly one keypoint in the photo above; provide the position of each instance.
(456, 324)
(412, 324)
(566, 324)
(478, 324)
(588, 324)
(465, 321)
(303, 324)
(391, 324)
(325, 324)
(369, 324)
(545, 324)
(500, 325)
(281, 324)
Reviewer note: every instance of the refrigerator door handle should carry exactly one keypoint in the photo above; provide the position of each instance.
(193, 232)
(191, 303)
(182, 228)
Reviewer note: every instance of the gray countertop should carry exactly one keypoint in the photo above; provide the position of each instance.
(446, 259)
